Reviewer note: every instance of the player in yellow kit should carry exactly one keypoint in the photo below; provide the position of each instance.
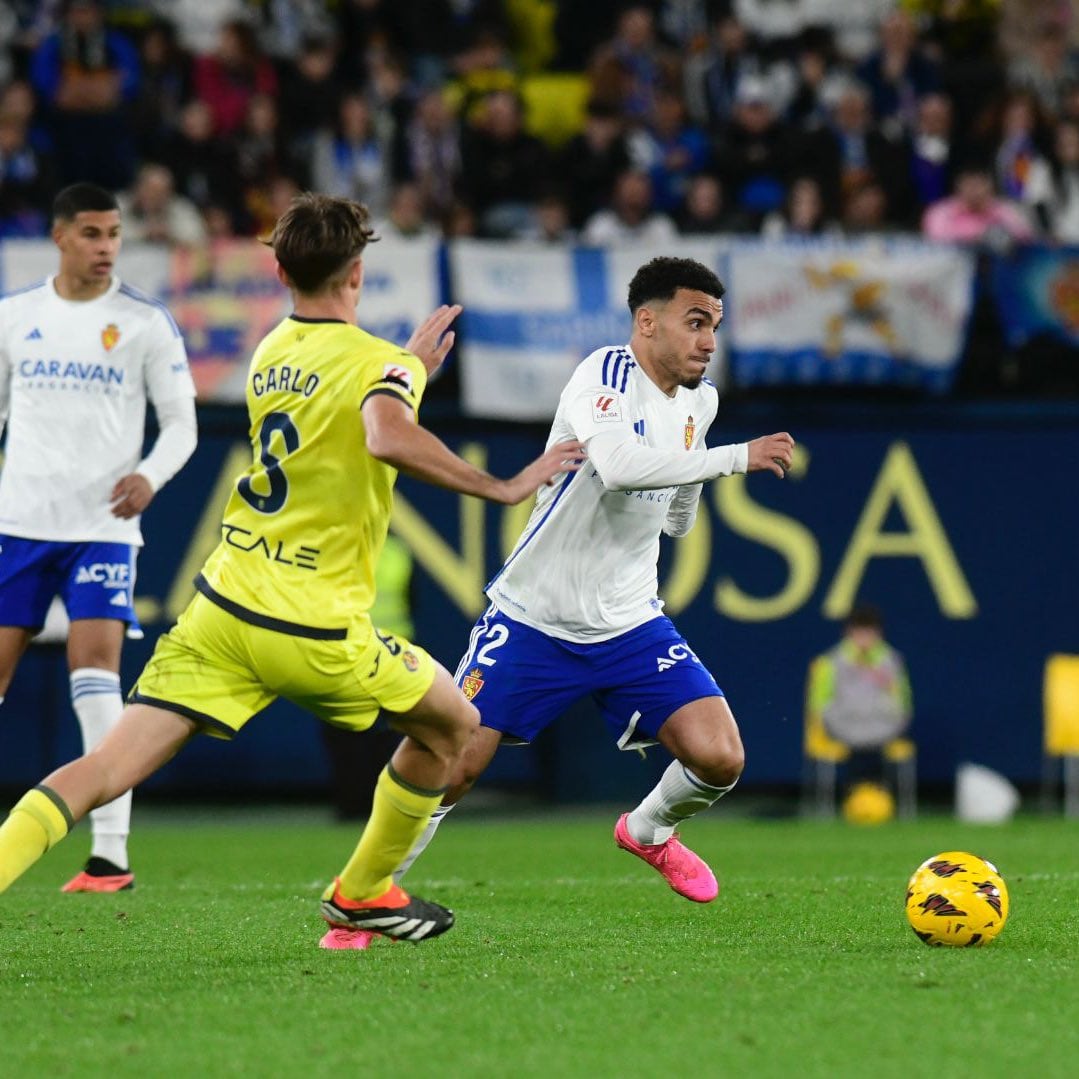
(282, 602)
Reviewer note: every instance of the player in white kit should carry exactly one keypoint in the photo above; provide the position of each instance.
(80, 354)
(575, 611)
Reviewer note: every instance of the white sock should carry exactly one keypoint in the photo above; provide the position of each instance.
(677, 796)
(421, 844)
(95, 696)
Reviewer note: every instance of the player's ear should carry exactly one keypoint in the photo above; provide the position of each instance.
(355, 274)
(283, 277)
(645, 320)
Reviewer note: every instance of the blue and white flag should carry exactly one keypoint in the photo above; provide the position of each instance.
(532, 313)
(871, 312)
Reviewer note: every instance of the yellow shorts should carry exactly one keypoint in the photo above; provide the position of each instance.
(220, 671)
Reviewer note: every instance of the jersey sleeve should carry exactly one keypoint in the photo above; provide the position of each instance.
(393, 370)
(168, 376)
(594, 402)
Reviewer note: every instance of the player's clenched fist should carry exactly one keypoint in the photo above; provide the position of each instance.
(772, 453)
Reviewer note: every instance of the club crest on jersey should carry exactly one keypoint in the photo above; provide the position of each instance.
(691, 427)
(606, 408)
(110, 335)
(399, 376)
(410, 660)
(472, 683)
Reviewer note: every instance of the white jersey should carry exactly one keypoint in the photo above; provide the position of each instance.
(585, 567)
(74, 380)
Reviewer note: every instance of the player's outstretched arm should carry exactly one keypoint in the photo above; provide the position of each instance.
(394, 436)
(771, 453)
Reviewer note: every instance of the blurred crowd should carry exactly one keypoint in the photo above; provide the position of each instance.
(955, 118)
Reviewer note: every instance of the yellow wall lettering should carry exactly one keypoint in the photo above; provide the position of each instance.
(901, 482)
(459, 575)
(784, 535)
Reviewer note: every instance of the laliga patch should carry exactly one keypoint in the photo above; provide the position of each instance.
(607, 408)
(399, 376)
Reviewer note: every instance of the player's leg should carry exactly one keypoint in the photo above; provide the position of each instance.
(663, 693)
(94, 646)
(29, 578)
(13, 643)
(481, 748)
(143, 740)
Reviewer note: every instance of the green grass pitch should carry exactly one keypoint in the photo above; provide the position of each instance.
(569, 958)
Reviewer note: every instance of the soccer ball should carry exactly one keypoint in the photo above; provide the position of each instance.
(957, 899)
(868, 803)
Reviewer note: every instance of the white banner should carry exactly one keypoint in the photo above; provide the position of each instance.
(858, 313)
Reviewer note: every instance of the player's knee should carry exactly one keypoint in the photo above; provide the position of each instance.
(465, 720)
(721, 764)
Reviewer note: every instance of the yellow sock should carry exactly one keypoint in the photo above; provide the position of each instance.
(37, 822)
(398, 817)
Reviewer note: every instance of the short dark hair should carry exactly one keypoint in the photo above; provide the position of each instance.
(661, 278)
(317, 237)
(864, 616)
(82, 198)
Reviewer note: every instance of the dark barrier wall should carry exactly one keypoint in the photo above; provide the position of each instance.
(960, 523)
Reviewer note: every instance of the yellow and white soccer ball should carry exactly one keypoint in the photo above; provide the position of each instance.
(868, 803)
(958, 899)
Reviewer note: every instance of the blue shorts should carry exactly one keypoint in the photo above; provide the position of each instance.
(521, 680)
(94, 580)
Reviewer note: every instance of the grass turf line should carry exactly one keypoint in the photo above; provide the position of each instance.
(570, 958)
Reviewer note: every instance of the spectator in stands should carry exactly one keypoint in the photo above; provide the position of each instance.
(1022, 171)
(865, 209)
(504, 170)
(164, 87)
(1062, 204)
(459, 221)
(229, 77)
(851, 152)
(704, 211)
(26, 181)
(897, 74)
(713, 75)
(406, 217)
(631, 216)
(755, 152)
(551, 222)
(629, 69)
(817, 82)
(204, 167)
(87, 76)
(931, 150)
(259, 148)
(1046, 67)
(432, 150)
(590, 162)
(802, 214)
(310, 91)
(669, 149)
(353, 160)
(974, 214)
(153, 213)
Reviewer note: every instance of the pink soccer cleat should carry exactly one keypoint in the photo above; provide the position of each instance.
(100, 875)
(340, 938)
(683, 870)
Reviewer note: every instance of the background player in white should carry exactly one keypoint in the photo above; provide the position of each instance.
(575, 611)
(80, 354)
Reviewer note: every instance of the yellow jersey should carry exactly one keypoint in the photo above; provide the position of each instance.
(305, 523)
